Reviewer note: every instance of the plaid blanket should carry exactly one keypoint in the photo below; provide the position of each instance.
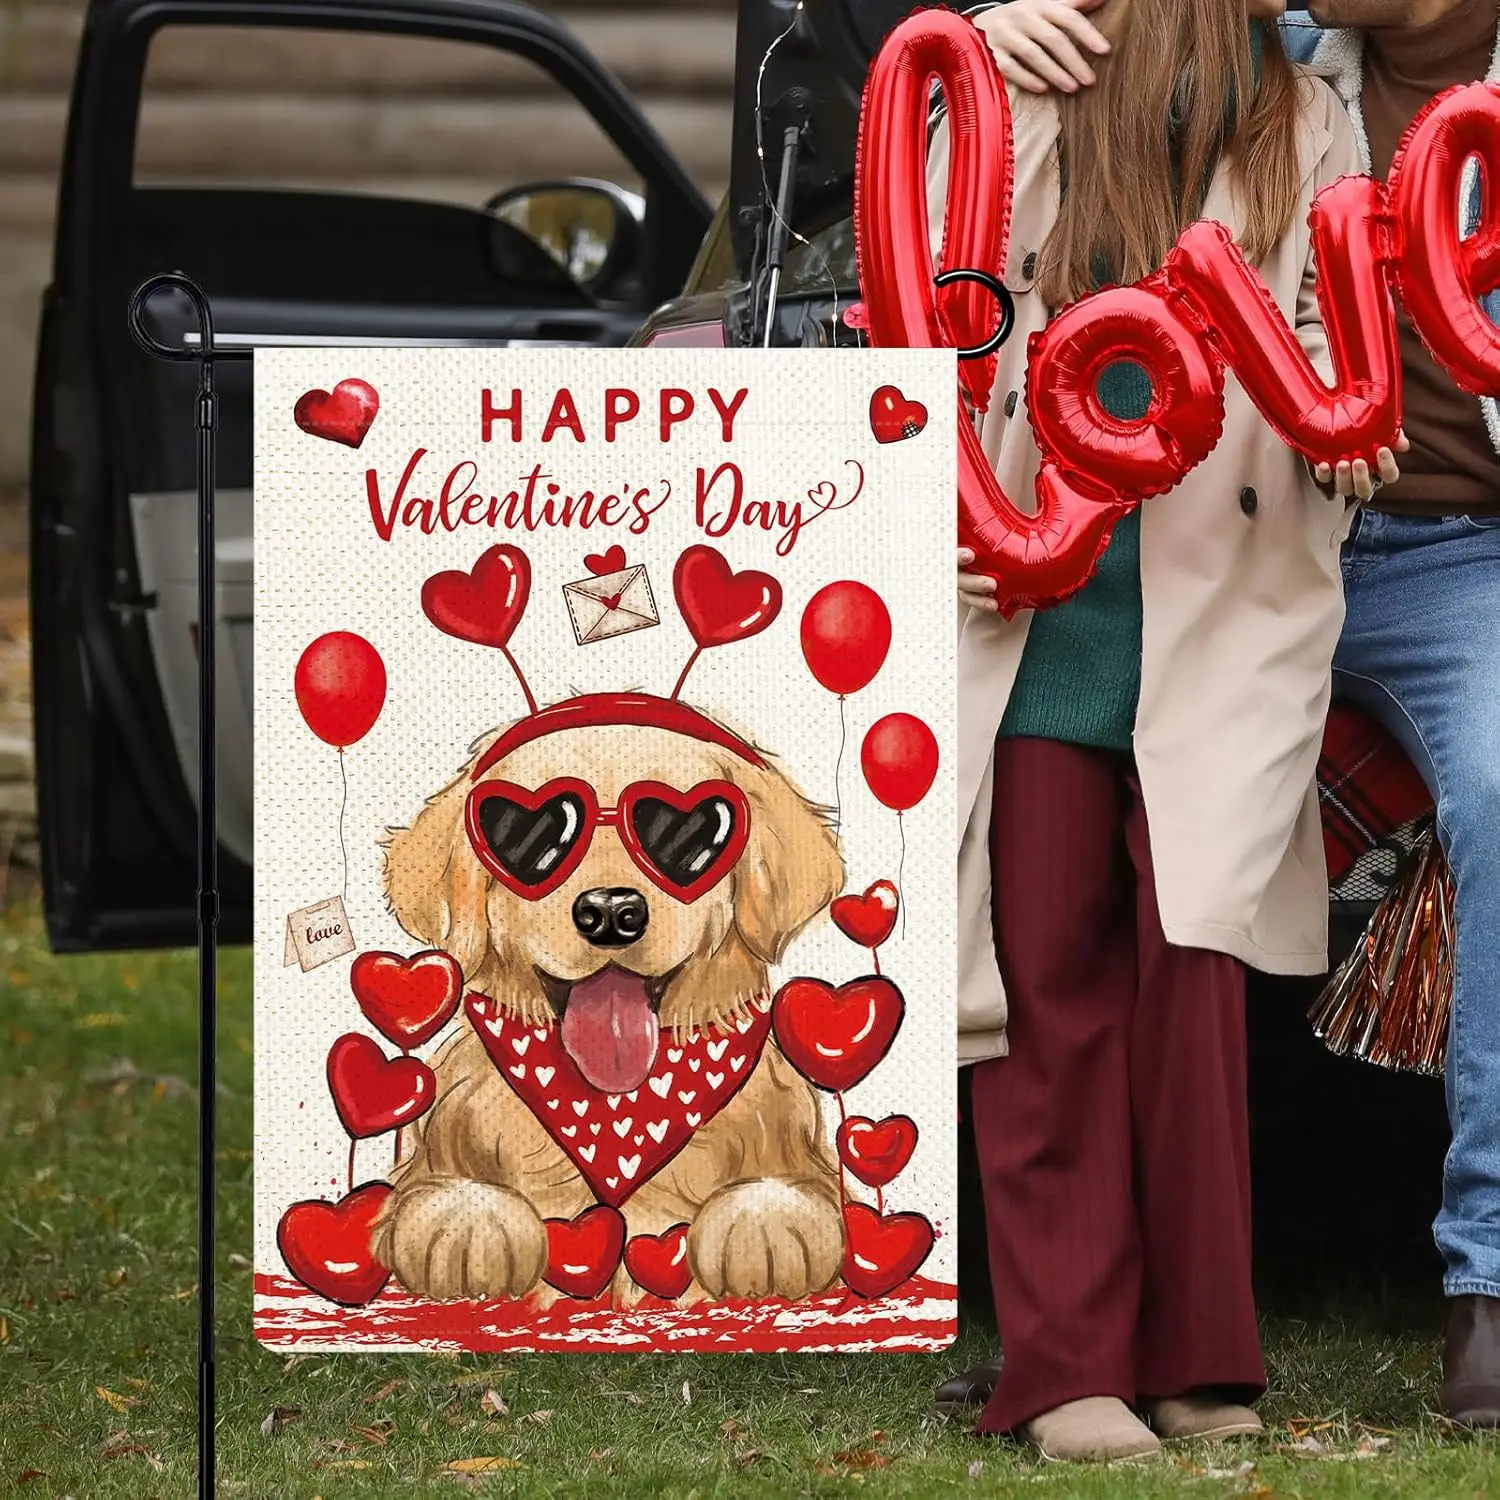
(1369, 790)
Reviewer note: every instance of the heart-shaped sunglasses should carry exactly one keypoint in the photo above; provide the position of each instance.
(685, 843)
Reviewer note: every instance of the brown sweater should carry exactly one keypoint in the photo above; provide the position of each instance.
(1452, 467)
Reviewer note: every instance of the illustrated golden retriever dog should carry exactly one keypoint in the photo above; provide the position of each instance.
(624, 965)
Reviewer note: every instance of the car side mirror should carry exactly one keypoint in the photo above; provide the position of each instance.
(590, 228)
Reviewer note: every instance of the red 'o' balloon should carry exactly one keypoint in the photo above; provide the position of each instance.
(846, 632)
(900, 759)
(340, 687)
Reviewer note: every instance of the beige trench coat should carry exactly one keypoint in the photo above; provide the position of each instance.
(1243, 604)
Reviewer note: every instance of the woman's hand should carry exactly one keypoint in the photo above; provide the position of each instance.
(975, 590)
(1353, 481)
(1040, 44)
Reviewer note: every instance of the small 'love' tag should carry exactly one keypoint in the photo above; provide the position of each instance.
(317, 934)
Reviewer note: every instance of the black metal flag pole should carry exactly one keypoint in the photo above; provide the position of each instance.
(206, 421)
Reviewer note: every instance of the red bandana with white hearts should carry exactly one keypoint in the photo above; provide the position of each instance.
(619, 1141)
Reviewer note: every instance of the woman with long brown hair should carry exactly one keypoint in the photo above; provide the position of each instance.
(1136, 767)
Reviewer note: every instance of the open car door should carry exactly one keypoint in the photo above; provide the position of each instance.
(113, 510)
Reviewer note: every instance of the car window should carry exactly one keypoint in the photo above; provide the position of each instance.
(714, 267)
(355, 112)
(821, 261)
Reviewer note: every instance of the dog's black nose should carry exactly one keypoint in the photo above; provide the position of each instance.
(611, 918)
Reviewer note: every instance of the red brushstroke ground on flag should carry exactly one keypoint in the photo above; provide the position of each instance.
(919, 1318)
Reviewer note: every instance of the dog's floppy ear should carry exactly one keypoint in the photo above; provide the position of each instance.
(790, 869)
(434, 883)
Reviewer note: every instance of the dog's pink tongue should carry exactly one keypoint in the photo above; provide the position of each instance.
(610, 1030)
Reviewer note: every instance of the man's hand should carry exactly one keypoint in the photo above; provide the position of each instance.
(1045, 44)
(975, 590)
(1353, 481)
(1041, 44)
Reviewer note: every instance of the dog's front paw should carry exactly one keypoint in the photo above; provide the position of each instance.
(448, 1238)
(766, 1238)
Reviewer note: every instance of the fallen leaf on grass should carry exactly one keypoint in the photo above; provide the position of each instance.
(388, 1389)
(277, 1418)
(748, 1457)
(4, 1330)
(240, 1262)
(342, 1463)
(1372, 1447)
(481, 1377)
(184, 1295)
(494, 1403)
(27, 1475)
(115, 1278)
(861, 1458)
(118, 1445)
(687, 1394)
(379, 1435)
(114, 1399)
(97, 1018)
(481, 1465)
(536, 1416)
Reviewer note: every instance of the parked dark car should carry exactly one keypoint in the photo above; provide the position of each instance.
(112, 477)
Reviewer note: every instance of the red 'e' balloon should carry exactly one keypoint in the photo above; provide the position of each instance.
(340, 685)
(1440, 276)
(846, 633)
(900, 760)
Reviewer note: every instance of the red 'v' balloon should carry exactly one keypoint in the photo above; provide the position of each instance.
(846, 633)
(340, 684)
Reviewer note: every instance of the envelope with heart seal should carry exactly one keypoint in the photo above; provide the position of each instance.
(611, 604)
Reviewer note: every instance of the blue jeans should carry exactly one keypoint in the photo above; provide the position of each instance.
(1421, 652)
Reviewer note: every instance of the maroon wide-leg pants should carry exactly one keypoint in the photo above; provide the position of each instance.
(1113, 1141)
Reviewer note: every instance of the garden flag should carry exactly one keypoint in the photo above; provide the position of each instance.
(605, 850)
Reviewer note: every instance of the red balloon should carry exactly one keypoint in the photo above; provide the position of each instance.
(1361, 412)
(1035, 559)
(846, 633)
(340, 684)
(1441, 277)
(1101, 454)
(900, 760)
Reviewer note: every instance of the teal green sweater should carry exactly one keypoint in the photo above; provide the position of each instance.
(1080, 675)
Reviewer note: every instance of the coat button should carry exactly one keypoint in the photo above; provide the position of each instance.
(1248, 500)
(1028, 266)
(1010, 404)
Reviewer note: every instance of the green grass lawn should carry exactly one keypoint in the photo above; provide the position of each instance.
(97, 1332)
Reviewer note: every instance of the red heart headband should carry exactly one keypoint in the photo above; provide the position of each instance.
(719, 606)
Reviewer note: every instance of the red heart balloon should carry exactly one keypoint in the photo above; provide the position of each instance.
(833, 1037)
(373, 1093)
(719, 604)
(584, 1253)
(881, 1251)
(326, 1246)
(893, 416)
(876, 1151)
(342, 415)
(484, 605)
(408, 1000)
(600, 563)
(868, 919)
(658, 1263)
